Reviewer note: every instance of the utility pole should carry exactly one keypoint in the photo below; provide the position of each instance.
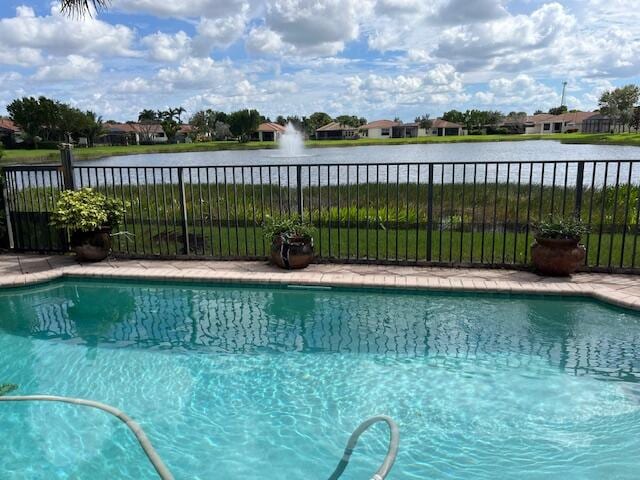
(564, 86)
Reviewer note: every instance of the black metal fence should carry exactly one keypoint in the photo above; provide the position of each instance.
(451, 213)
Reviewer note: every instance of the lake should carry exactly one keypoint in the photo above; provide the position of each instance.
(532, 150)
(488, 162)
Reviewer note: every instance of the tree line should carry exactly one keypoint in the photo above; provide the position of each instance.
(43, 120)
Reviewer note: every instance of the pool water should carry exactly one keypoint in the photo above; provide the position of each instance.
(255, 383)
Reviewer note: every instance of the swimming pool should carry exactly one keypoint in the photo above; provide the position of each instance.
(253, 382)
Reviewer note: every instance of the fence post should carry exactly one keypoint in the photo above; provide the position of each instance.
(66, 158)
(579, 181)
(4, 207)
(299, 191)
(183, 212)
(429, 212)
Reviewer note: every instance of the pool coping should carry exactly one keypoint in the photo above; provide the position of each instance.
(623, 294)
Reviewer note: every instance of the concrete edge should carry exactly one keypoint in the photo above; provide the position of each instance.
(282, 277)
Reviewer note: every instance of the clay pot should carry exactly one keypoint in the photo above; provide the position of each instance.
(557, 257)
(91, 246)
(293, 253)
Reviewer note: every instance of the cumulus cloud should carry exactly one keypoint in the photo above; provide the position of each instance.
(168, 48)
(178, 9)
(381, 56)
(59, 35)
(74, 67)
(317, 28)
(194, 72)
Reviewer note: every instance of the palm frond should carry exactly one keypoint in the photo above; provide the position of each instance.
(80, 8)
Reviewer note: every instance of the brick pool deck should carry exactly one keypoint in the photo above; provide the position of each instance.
(621, 290)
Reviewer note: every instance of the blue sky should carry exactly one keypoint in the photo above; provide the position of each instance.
(372, 58)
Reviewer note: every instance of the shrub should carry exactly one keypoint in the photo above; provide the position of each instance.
(287, 227)
(561, 228)
(86, 210)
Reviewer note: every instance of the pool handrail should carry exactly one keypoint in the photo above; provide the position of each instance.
(389, 459)
(143, 440)
(164, 473)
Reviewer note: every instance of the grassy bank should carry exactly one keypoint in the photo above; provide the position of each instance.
(48, 156)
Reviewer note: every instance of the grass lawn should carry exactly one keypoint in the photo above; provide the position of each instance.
(47, 156)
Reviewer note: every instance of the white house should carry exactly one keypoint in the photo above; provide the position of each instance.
(393, 129)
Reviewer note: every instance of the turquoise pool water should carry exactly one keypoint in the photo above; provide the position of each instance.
(255, 383)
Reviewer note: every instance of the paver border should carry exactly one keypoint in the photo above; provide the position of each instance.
(309, 278)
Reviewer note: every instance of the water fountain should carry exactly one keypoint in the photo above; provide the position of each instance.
(291, 144)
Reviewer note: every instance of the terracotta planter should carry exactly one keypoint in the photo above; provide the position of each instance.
(292, 254)
(557, 257)
(91, 246)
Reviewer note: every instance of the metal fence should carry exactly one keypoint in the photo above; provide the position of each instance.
(441, 213)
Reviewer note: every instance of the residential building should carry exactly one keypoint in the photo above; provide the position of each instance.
(336, 131)
(133, 134)
(444, 128)
(393, 129)
(544, 123)
(598, 124)
(379, 129)
(120, 134)
(268, 132)
(184, 134)
(9, 132)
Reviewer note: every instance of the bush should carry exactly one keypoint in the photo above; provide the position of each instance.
(561, 228)
(86, 210)
(287, 227)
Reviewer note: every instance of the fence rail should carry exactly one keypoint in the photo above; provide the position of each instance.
(441, 213)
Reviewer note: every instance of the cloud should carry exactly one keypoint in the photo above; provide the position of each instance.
(312, 27)
(59, 35)
(196, 72)
(74, 67)
(182, 9)
(465, 12)
(220, 32)
(163, 47)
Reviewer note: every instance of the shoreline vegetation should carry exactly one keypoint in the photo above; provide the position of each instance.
(24, 156)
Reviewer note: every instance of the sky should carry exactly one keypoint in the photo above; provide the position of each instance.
(371, 58)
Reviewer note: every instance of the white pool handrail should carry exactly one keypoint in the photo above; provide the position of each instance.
(165, 474)
(143, 440)
(389, 459)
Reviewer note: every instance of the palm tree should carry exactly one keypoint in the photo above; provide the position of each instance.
(80, 8)
(178, 112)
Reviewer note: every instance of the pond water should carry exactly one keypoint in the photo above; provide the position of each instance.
(533, 150)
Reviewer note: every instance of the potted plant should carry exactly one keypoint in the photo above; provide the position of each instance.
(291, 241)
(90, 218)
(557, 251)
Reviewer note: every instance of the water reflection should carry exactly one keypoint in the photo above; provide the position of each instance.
(579, 337)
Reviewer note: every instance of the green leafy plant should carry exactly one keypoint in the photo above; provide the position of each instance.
(6, 388)
(561, 228)
(86, 210)
(288, 228)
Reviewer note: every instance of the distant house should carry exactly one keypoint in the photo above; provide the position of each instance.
(120, 134)
(268, 132)
(9, 132)
(133, 134)
(184, 134)
(544, 123)
(393, 129)
(336, 131)
(379, 129)
(443, 128)
(598, 124)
